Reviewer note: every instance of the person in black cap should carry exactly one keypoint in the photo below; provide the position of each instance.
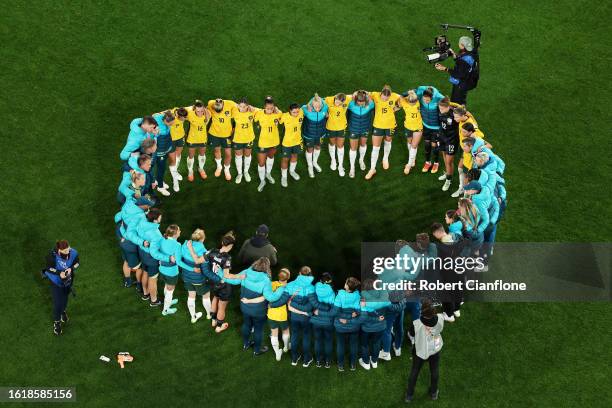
(62, 261)
(256, 247)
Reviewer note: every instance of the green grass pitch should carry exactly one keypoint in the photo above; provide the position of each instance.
(74, 75)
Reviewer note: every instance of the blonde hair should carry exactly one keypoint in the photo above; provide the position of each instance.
(171, 230)
(386, 91)
(136, 175)
(484, 156)
(198, 235)
(412, 96)
(317, 99)
(262, 265)
(284, 275)
(471, 217)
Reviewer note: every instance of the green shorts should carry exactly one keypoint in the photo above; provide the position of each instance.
(199, 288)
(312, 142)
(170, 280)
(355, 136)
(409, 133)
(224, 142)
(177, 143)
(240, 146)
(194, 145)
(382, 132)
(336, 133)
(291, 150)
(275, 324)
(265, 150)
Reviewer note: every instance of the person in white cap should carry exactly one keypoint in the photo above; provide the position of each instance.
(464, 75)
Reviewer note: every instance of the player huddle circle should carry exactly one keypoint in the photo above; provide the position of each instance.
(156, 142)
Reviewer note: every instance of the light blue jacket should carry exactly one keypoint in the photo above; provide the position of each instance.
(162, 250)
(479, 146)
(482, 201)
(322, 299)
(300, 290)
(345, 304)
(149, 231)
(429, 111)
(135, 138)
(256, 284)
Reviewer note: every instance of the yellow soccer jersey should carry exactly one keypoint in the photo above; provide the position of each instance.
(293, 129)
(243, 133)
(268, 136)
(467, 157)
(413, 120)
(221, 122)
(278, 314)
(177, 129)
(337, 114)
(384, 115)
(197, 127)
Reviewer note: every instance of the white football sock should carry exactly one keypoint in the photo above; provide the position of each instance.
(190, 161)
(332, 153)
(292, 166)
(201, 161)
(167, 299)
(274, 342)
(315, 156)
(178, 161)
(340, 151)
(238, 160)
(191, 307)
(172, 171)
(460, 171)
(269, 164)
(284, 173)
(261, 170)
(352, 157)
(247, 163)
(286, 342)
(386, 150)
(374, 157)
(218, 161)
(206, 303)
(309, 159)
(412, 155)
(362, 152)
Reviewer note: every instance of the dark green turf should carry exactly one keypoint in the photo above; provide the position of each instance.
(75, 75)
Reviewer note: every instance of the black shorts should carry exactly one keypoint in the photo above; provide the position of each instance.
(430, 135)
(223, 291)
(448, 145)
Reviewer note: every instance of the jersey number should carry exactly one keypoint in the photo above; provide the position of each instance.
(384, 110)
(221, 120)
(245, 125)
(200, 128)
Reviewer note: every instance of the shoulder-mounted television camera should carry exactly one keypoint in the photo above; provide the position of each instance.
(441, 48)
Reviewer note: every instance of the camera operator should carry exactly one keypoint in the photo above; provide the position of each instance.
(62, 261)
(464, 76)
